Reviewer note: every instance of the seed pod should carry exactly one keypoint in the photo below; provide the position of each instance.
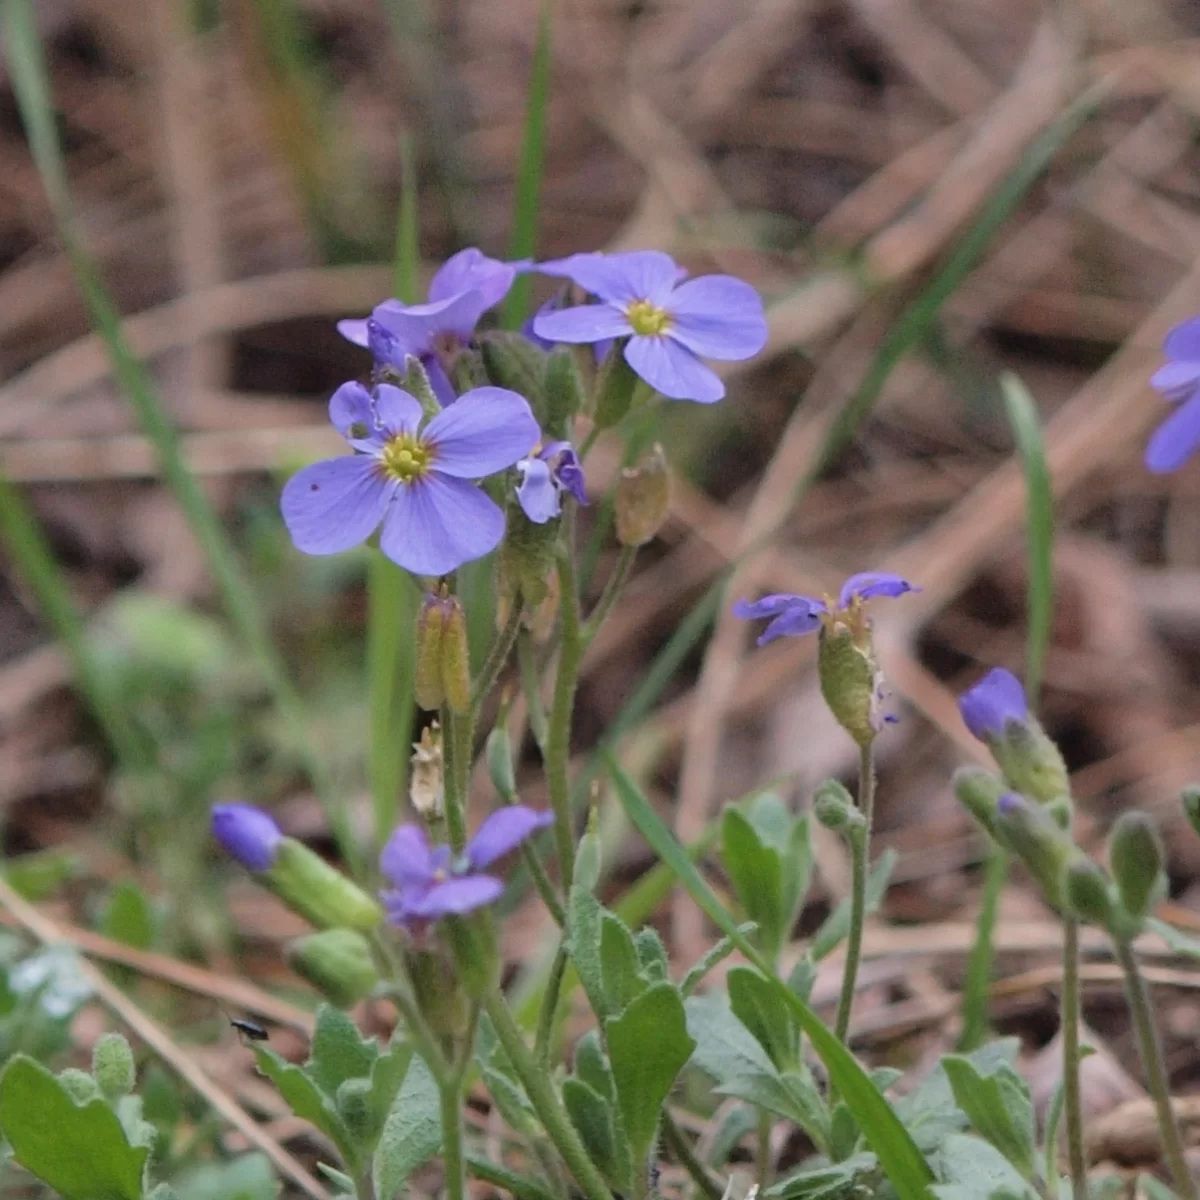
(427, 681)
(337, 962)
(643, 499)
(456, 657)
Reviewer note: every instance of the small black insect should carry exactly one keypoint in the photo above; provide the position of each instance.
(255, 1032)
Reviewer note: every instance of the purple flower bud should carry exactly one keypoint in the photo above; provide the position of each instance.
(992, 703)
(247, 834)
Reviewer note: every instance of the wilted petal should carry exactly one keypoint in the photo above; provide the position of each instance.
(673, 370)
(438, 524)
(718, 316)
(455, 897)
(334, 505)
(396, 410)
(992, 703)
(406, 859)
(584, 323)
(873, 583)
(1176, 439)
(471, 269)
(1183, 342)
(482, 432)
(503, 832)
(620, 278)
(536, 493)
(247, 834)
(1177, 380)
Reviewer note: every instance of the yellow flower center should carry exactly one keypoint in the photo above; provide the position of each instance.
(648, 319)
(406, 458)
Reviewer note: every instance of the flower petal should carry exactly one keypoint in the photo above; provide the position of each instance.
(620, 278)
(795, 623)
(1176, 439)
(456, 896)
(873, 583)
(770, 606)
(472, 270)
(673, 370)
(992, 703)
(718, 316)
(568, 471)
(482, 432)
(406, 859)
(438, 524)
(396, 411)
(1183, 342)
(247, 834)
(352, 405)
(536, 493)
(583, 323)
(417, 326)
(354, 330)
(503, 832)
(334, 505)
(1177, 380)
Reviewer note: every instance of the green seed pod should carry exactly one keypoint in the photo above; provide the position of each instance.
(1135, 855)
(835, 809)
(427, 681)
(1089, 893)
(308, 885)
(80, 1086)
(643, 499)
(979, 792)
(112, 1066)
(615, 386)
(456, 657)
(850, 681)
(337, 962)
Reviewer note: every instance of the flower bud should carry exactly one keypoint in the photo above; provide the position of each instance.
(1191, 805)
(564, 394)
(308, 885)
(643, 499)
(500, 763)
(426, 779)
(615, 386)
(996, 712)
(416, 383)
(112, 1066)
(526, 558)
(588, 858)
(835, 809)
(1089, 893)
(512, 361)
(850, 680)
(456, 658)
(979, 792)
(1135, 855)
(247, 834)
(79, 1085)
(337, 962)
(1036, 839)
(439, 996)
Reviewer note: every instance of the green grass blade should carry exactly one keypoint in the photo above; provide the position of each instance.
(408, 225)
(902, 1162)
(1039, 503)
(526, 202)
(23, 52)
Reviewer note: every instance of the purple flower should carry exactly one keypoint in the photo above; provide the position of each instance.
(247, 834)
(997, 699)
(670, 324)
(1177, 438)
(794, 616)
(600, 349)
(428, 883)
(554, 469)
(413, 480)
(465, 287)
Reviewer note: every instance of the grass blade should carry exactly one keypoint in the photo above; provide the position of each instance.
(906, 1169)
(529, 174)
(23, 51)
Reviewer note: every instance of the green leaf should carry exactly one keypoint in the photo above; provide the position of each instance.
(972, 1169)
(756, 872)
(339, 1051)
(80, 1151)
(836, 927)
(306, 1099)
(412, 1133)
(652, 954)
(128, 916)
(759, 1007)
(584, 914)
(907, 1171)
(1177, 941)
(592, 1067)
(247, 1177)
(797, 871)
(999, 1106)
(387, 1075)
(592, 1117)
(648, 1045)
(827, 1182)
(619, 966)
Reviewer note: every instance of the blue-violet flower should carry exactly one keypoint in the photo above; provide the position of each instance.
(670, 324)
(413, 480)
(429, 883)
(247, 834)
(1178, 437)
(991, 704)
(545, 475)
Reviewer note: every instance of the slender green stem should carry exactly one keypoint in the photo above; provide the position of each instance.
(1072, 1101)
(540, 1090)
(588, 442)
(531, 686)
(558, 736)
(456, 762)
(545, 1023)
(497, 656)
(612, 590)
(541, 881)
(1150, 1049)
(709, 1185)
(364, 1186)
(453, 1163)
(762, 1157)
(860, 850)
(979, 966)
(521, 1186)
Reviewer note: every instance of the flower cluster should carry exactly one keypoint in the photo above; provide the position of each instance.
(418, 461)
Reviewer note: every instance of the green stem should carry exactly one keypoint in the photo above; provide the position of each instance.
(540, 1090)
(1150, 1049)
(1072, 1101)
(452, 1139)
(457, 741)
(612, 590)
(400, 992)
(983, 954)
(860, 849)
(545, 1023)
(545, 888)
(497, 657)
(558, 736)
(710, 1187)
(762, 1171)
(531, 686)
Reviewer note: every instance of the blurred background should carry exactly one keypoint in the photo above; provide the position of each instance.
(928, 193)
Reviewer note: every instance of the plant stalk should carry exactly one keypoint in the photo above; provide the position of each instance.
(453, 1163)
(457, 741)
(983, 954)
(860, 849)
(1072, 1101)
